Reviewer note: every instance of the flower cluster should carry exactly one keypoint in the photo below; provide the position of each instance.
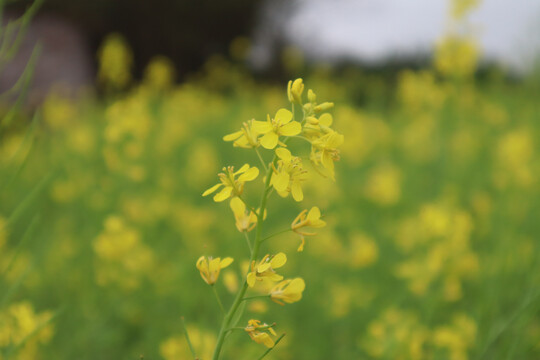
(285, 174)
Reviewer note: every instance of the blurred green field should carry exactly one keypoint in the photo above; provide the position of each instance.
(430, 250)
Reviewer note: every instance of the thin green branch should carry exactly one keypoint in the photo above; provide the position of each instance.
(255, 297)
(246, 235)
(186, 334)
(261, 159)
(218, 299)
(272, 348)
(275, 234)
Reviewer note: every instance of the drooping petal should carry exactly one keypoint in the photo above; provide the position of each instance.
(269, 140)
(296, 191)
(283, 116)
(251, 279)
(291, 129)
(238, 207)
(281, 181)
(223, 194)
(297, 285)
(211, 190)
(213, 266)
(249, 175)
(279, 260)
(233, 136)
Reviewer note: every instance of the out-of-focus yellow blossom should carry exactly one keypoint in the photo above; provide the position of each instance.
(288, 291)
(515, 152)
(258, 306)
(260, 332)
(123, 258)
(419, 91)
(289, 175)
(58, 111)
(245, 220)
(307, 219)
(230, 280)
(384, 185)
(281, 125)
(396, 335)
(459, 8)
(246, 137)
(294, 91)
(265, 268)
(456, 56)
(456, 338)
(21, 326)
(210, 267)
(324, 151)
(176, 347)
(159, 74)
(363, 251)
(313, 127)
(115, 62)
(231, 185)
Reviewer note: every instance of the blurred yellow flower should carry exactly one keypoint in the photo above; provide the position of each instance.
(231, 185)
(307, 219)
(210, 267)
(257, 331)
(245, 220)
(281, 125)
(288, 291)
(265, 268)
(246, 137)
(294, 91)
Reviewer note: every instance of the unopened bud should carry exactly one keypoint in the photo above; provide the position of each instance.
(324, 106)
(312, 120)
(311, 96)
(297, 88)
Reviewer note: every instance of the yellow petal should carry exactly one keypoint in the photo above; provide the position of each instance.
(281, 181)
(283, 116)
(226, 262)
(279, 260)
(201, 265)
(249, 175)
(233, 136)
(269, 140)
(314, 214)
(262, 127)
(213, 267)
(251, 279)
(223, 194)
(291, 129)
(284, 154)
(326, 120)
(242, 169)
(211, 190)
(296, 191)
(238, 207)
(263, 267)
(296, 286)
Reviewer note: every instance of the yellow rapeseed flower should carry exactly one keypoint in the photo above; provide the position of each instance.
(256, 331)
(289, 175)
(324, 151)
(305, 219)
(280, 125)
(265, 268)
(245, 220)
(232, 186)
(246, 137)
(288, 291)
(210, 267)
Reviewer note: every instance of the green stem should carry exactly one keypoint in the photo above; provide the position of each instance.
(272, 348)
(187, 338)
(248, 242)
(218, 299)
(261, 159)
(254, 254)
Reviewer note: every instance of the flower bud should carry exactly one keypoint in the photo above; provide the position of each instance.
(296, 90)
(311, 96)
(312, 120)
(324, 106)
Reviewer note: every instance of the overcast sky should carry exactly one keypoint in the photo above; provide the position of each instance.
(508, 31)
